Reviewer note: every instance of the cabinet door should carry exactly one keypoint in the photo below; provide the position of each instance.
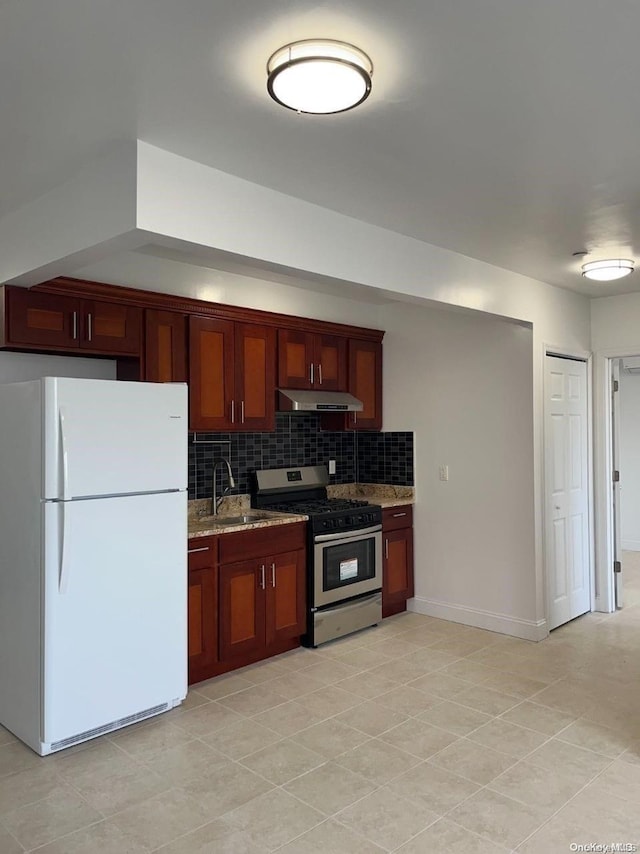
(242, 608)
(286, 596)
(211, 374)
(331, 363)
(255, 363)
(365, 382)
(203, 622)
(110, 328)
(165, 347)
(397, 570)
(296, 353)
(44, 320)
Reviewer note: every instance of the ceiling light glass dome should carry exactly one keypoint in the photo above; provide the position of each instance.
(608, 271)
(319, 76)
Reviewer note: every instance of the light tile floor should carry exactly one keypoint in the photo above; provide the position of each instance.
(416, 736)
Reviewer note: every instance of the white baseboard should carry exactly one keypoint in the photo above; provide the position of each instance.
(526, 629)
(630, 545)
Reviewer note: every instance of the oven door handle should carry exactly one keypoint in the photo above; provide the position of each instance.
(351, 535)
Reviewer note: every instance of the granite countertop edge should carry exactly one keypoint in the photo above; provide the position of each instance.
(236, 505)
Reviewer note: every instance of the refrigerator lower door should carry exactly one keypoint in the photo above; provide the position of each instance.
(115, 615)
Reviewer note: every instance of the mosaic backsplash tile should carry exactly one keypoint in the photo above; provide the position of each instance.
(299, 441)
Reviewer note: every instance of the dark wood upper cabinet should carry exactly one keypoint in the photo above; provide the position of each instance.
(165, 347)
(40, 320)
(52, 321)
(365, 383)
(211, 374)
(295, 358)
(232, 375)
(110, 328)
(255, 365)
(312, 360)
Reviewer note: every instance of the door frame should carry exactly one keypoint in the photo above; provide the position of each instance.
(580, 356)
(605, 585)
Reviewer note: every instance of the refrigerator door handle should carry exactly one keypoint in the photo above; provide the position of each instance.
(65, 457)
(63, 582)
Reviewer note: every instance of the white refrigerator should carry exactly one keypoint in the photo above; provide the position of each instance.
(93, 556)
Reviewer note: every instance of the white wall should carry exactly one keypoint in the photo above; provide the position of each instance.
(464, 383)
(630, 460)
(20, 367)
(615, 322)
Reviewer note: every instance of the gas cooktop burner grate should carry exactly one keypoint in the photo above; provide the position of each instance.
(320, 505)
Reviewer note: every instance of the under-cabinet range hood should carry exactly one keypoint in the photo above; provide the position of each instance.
(306, 400)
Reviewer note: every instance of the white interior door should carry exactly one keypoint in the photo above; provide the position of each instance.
(567, 490)
(115, 640)
(615, 461)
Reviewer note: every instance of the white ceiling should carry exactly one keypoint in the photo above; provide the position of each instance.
(507, 130)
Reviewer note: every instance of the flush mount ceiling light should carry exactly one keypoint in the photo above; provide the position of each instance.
(319, 76)
(607, 271)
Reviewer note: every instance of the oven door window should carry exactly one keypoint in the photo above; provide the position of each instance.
(348, 563)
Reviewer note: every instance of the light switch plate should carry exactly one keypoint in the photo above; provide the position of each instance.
(332, 466)
(444, 472)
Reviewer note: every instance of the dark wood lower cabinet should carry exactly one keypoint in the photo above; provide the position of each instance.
(397, 567)
(262, 605)
(242, 609)
(257, 605)
(203, 608)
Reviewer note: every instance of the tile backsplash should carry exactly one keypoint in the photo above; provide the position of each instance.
(365, 457)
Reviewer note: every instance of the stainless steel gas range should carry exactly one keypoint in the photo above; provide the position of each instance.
(344, 550)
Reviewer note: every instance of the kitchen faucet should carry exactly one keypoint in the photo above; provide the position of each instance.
(214, 499)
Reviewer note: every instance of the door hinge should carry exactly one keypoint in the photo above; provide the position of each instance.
(616, 385)
(617, 566)
(616, 476)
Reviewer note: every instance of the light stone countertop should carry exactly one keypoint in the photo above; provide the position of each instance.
(202, 524)
(382, 494)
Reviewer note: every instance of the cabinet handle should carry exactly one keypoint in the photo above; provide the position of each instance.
(398, 515)
(273, 575)
(242, 411)
(320, 373)
(75, 325)
(386, 548)
(193, 551)
(89, 327)
(311, 373)
(233, 412)
(263, 582)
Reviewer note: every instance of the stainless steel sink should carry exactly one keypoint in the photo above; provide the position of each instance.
(237, 520)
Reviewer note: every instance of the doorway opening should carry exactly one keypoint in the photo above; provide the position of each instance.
(625, 480)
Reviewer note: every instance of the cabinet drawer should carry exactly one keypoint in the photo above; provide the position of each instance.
(247, 545)
(202, 552)
(397, 517)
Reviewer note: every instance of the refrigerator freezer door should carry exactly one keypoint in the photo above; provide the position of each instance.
(103, 437)
(115, 625)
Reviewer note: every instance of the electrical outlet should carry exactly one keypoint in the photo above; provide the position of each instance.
(332, 466)
(444, 472)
